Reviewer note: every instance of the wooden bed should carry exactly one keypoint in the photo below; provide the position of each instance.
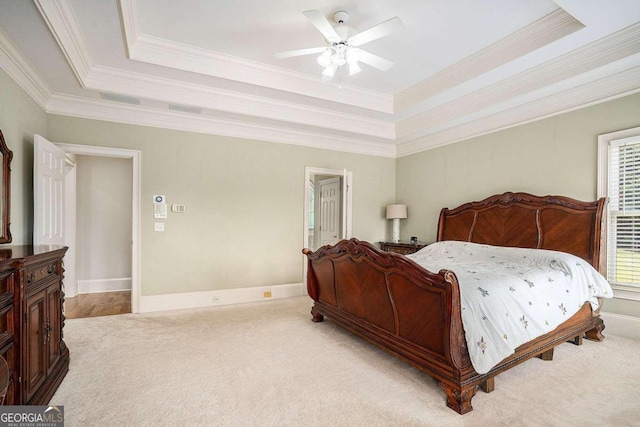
(415, 314)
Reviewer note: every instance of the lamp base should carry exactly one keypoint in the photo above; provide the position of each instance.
(396, 230)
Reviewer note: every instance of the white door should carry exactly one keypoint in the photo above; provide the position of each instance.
(330, 210)
(48, 193)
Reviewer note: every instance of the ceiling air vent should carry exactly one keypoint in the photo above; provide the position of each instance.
(120, 98)
(185, 108)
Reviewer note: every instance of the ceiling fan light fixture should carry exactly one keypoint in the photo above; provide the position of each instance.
(325, 59)
(342, 45)
(329, 71)
(352, 56)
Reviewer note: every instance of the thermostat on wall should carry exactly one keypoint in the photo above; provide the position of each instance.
(159, 206)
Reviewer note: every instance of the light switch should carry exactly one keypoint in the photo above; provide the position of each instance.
(159, 226)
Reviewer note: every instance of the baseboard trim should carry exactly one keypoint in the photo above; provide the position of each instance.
(621, 325)
(152, 303)
(103, 285)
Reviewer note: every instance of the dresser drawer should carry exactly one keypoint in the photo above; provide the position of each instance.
(6, 326)
(42, 273)
(6, 282)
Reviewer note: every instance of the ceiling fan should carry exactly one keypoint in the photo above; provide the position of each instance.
(343, 45)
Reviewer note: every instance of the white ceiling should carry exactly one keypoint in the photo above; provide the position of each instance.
(461, 68)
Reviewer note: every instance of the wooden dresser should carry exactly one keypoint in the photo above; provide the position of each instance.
(403, 248)
(31, 322)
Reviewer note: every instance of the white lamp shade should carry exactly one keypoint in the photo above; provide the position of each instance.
(396, 211)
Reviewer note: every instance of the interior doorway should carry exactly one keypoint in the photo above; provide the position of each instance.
(102, 231)
(328, 198)
(127, 301)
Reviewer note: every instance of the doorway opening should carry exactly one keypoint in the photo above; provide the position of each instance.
(128, 300)
(328, 198)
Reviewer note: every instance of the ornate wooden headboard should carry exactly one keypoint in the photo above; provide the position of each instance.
(527, 221)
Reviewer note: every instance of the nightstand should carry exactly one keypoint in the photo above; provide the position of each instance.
(402, 248)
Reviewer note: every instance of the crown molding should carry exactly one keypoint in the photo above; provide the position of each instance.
(97, 109)
(595, 92)
(22, 72)
(547, 29)
(173, 91)
(62, 22)
(184, 57)
(129, 17)
(617, 46)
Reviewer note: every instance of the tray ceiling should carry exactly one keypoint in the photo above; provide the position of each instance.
(461, 69)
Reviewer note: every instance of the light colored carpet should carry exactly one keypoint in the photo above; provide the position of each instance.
(267, 364)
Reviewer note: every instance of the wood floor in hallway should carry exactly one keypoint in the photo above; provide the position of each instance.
(98, 304)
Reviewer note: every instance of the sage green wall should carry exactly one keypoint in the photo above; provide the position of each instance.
(20, 119)
(244, 200)
(557, 155)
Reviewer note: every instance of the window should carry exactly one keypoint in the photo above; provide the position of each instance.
(619, 180)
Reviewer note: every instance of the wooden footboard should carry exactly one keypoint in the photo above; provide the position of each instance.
(388, 298)
(415, 314)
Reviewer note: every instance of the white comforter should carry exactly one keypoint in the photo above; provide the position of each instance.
(512, 295)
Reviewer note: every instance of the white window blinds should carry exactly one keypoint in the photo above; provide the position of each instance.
(624, 212)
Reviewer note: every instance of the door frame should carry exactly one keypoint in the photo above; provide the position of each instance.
(347, 208)
(135, 156)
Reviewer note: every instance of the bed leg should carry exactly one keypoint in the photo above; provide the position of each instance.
(315, 316)
(459, 400)
(488, 385)
(546, 355)
(577, 340)
(595, 334)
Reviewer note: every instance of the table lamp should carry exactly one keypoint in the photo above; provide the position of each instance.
(396, 213)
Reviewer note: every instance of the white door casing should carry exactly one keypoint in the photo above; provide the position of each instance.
(48, 193)
(70, 277)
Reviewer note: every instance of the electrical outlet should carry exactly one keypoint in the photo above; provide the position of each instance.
(267, 294)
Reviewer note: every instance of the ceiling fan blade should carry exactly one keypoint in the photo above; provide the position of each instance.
(387, 27)
(299, 52)
(323, 25)
(374, 60)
